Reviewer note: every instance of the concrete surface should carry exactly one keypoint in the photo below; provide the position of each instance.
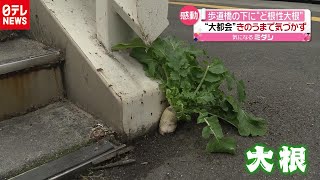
(7, 35)
(67, 165)
(112, 87)
(30, 77)
(25, 91)
(148, 18)
(23, 53)
(21, 48)
(42, 135)
(282, 82)
(106, 17)
(254, 4)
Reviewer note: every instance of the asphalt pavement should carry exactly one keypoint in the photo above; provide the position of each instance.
(283, 86)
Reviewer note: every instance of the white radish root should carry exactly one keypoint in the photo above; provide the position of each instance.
(168, 121)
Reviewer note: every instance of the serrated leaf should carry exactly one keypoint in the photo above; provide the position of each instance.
(217, 67)
(241, 91)
(173, 43)
(176, 63)
(204, 97)
(186, 86)
(206, 62)
(141, 55)
(175, 76)
(224, 106)
(233, 121)
(196, 72)
(224, 145)
(159, 48)
(202, 116)
(230, 79)
(187, 95)
(146, 59)
(215, 126)
(206, 132)
(212, 78)
(194, 54)
(250, 125)
(185, 72)
(137, 42)
(151, 70)
(233, 103)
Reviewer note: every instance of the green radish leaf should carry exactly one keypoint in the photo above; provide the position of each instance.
(137, 42)
(146, 59)
(230, 81)
(212, 78)
(217, 67)
(202, 116)
(241, 91)
(194, 89)
(250, 125)
(223, 145)
(214, 126)
(206, 132)
(233, 103)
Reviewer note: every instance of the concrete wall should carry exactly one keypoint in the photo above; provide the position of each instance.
(25, 91)
(112, 87)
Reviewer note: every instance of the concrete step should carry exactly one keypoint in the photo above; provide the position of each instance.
(30, 76)
(41, 136)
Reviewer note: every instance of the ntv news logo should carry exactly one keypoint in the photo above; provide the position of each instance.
(14, 14)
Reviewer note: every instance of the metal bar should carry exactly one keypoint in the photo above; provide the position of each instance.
(111, 155)
(66, 164)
